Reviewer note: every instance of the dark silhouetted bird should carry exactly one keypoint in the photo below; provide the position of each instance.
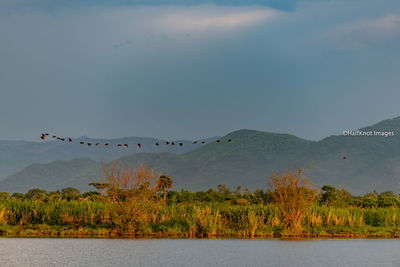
(126, 145)
(70, 140)
(89, 144)
(58, 138)
(81, 143)
(54, 136)
(47, 134)
(167, 143)
(139, 145)
(157, 144)
(229, 140)
(97, 144)
(172, 143)
(106, 144)
(195, 142)
(181, 144)
(203, 142)
(62, 139)
(119, 145)
(218, 141)
(344, 157)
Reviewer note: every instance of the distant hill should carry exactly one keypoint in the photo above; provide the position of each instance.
(55, 175)
(369, 163)
(16, 155)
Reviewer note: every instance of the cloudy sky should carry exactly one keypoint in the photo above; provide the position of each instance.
(191, 69)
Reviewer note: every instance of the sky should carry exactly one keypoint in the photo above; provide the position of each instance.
(178, 69)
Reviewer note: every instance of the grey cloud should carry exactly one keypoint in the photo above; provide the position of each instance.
(117, 71)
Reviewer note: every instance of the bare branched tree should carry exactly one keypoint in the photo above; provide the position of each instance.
(130, 192)
(293, 195)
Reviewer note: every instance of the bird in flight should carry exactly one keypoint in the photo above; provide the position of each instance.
(44, 135)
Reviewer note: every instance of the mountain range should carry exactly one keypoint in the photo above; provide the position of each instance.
(357, 163)
(16, 155)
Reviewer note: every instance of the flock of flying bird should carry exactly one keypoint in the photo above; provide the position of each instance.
(69, 140)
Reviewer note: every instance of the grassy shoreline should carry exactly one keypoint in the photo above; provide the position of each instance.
(47, 231)
(78, 218)
(131, 207)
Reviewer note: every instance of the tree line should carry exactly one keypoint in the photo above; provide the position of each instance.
(328, 196)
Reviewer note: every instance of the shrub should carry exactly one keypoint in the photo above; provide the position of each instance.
(293, 195)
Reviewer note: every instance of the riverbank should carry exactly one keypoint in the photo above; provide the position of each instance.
(76, 218)
(290, 211)
(47, 231)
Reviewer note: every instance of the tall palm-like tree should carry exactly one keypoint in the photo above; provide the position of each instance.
(164, 182)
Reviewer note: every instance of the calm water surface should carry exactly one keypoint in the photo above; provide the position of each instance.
(203, 252)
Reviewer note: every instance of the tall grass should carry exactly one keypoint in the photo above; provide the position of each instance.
(195, 219)
(352, 217)
(24, 212)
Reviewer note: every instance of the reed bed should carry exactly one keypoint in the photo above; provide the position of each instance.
(25, 212)
(196, 219)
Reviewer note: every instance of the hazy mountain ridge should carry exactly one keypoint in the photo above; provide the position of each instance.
(370, 162)
(16, 155)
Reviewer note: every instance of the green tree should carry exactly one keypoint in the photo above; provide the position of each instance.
(92, 195)
(328, 195)
(258, 196)
(370, 200)
(18, 195)
(4, 195)
(36, 194)
(70, 193)
(238, 191)
(332, 196)
(388, 199)
(70, 190)
(164, 182)
(223, 189)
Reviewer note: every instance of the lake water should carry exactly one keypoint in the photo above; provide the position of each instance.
(200, 252)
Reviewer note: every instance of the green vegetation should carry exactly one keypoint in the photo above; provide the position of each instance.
(131, 204)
